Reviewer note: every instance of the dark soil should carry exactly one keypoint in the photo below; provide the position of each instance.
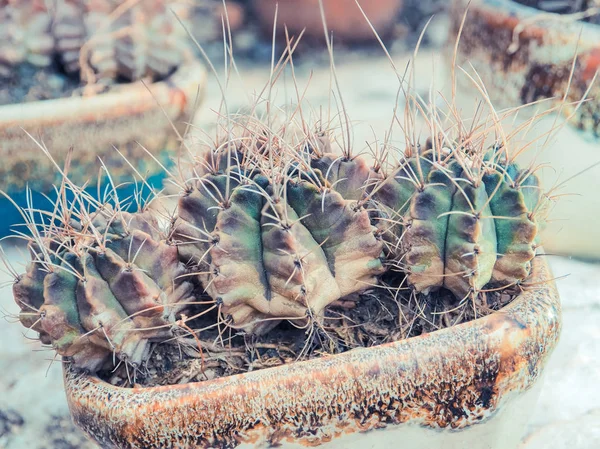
(28, 83)
(376, 317)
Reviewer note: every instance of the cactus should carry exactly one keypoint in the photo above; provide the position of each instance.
(112, 39)
(453, 218)
(103, 287)
(116, 39)
(25, 34)
(269, 236)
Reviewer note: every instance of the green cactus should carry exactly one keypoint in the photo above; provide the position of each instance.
(270, 238)
(103, 287)
(452, 218)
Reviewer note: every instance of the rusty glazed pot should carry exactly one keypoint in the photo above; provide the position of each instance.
(344, 18)
(92, 125)
(469, 386)
(523, 54)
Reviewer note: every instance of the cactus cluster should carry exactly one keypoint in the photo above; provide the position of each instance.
(110, 38)
(455, 216)
(101, 288)
(273, 224)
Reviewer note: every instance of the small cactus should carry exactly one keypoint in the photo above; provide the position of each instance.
(144, 39)
(102, 288)
(25, 34)
(452, 218)
(270, 237)
(111, 38)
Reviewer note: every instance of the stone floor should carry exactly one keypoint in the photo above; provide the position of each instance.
(33, 410)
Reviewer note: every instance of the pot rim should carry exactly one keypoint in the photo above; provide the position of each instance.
(124, 99)
(508, 14)
(451, 378)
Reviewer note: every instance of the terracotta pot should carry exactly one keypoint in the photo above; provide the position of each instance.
(92, 125)
(472, 385)
(343, 17)
(522, 58)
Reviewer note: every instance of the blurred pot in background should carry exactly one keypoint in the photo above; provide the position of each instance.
(132, 117)
(70, 78)
(344, 17)
(522, 55)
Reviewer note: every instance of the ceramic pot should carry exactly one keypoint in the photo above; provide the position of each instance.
(344, 18)
(468, 386)
(523, 55)
(92, 126)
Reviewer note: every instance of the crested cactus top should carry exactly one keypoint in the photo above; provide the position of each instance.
(269, 236)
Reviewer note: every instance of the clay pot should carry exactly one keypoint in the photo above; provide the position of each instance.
(344, 18)
(471, 385)
(523, 55)
(92, 125)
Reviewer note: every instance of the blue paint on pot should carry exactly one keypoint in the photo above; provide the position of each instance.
(11, 219)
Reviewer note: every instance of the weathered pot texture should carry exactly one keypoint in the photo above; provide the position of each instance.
(344, 17)
(92, 125)
(524, 55)
(468, 386)
(127, 117)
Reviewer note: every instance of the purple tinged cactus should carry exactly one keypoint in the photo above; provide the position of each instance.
(453, 218)
(103, 288)
(270, 238)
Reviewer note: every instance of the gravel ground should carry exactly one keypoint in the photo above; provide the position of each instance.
(33, 410)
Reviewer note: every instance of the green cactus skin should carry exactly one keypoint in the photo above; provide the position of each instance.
(282, 244)
(451, 220)
(91, 301)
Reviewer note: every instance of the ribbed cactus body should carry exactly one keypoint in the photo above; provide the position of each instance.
(450, 220)
(111, 37)
(25, 34)
(275, 247)
(91, 301)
